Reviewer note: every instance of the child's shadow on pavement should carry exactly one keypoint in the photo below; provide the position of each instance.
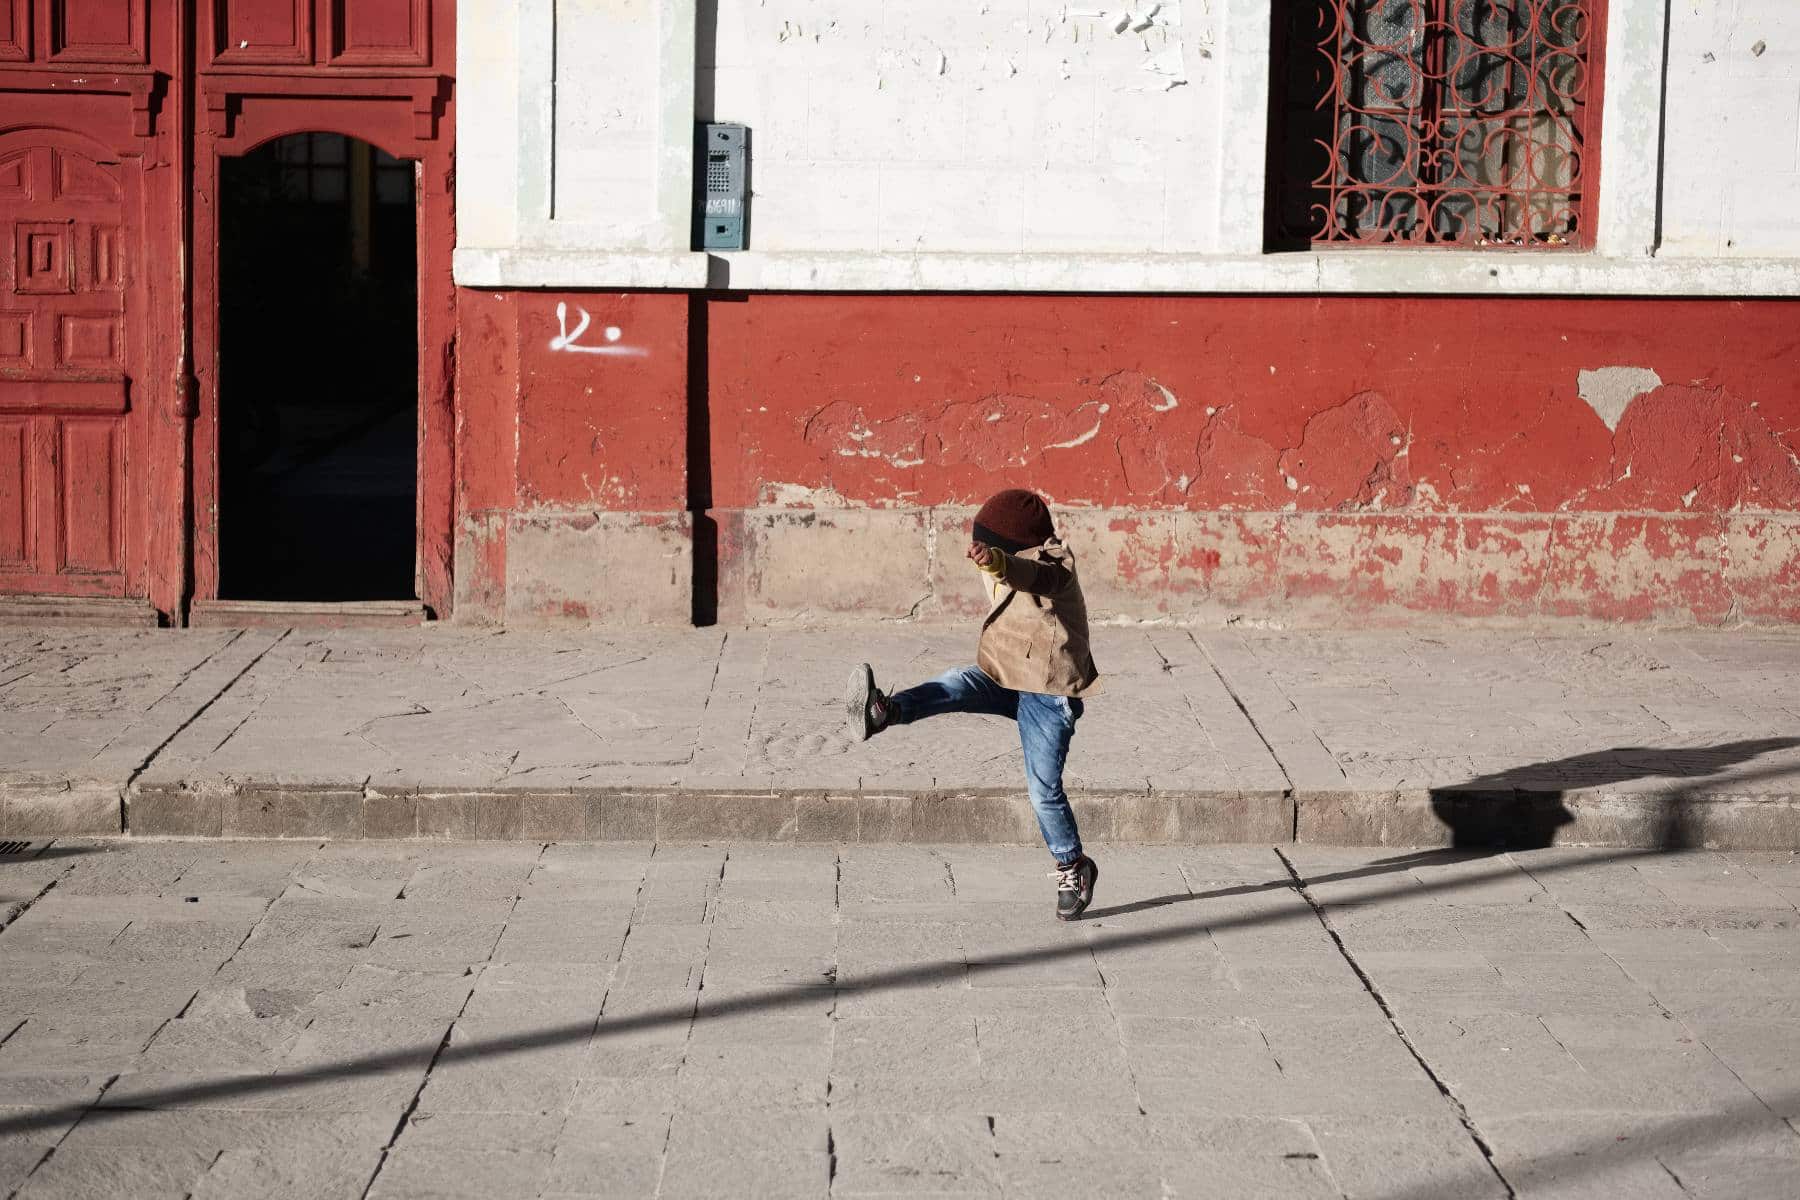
(1521, 808)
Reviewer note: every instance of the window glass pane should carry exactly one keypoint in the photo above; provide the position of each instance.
(393, 186)
(330, 185)
(330, 148)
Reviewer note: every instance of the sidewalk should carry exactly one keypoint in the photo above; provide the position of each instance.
(395, 1020)
(1623, 738)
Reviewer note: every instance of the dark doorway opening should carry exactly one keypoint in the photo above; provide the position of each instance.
(318, 372)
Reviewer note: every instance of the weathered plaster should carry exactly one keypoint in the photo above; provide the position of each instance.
(1631, 128)
(1256, 405)
(1282, 459)
(1609, 390)
(581, 136)
(610, 567)
(572, 461)
(782, 566)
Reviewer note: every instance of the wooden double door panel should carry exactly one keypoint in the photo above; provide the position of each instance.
(352, 33)
(109, 390)
(65, 427)
(79, 266)
(238, 32)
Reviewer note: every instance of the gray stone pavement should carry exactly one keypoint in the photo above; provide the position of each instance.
(1615, 738)
(392, 1019)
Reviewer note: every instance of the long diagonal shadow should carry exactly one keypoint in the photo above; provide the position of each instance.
(1386, 866)
(1504, 812)
(776, 999)
(1708, 1134)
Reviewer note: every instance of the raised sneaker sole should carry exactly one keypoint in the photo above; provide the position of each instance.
(856, 702)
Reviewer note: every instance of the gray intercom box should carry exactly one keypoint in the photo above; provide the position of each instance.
(722, 208)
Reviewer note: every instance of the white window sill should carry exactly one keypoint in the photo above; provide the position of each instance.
(522, 267)
(1377, 271)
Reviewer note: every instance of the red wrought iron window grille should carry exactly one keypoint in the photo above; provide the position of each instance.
(1457, 123)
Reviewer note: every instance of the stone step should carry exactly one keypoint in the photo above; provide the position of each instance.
(1662, 818)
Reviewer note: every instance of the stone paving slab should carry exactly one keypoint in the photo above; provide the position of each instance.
(1467, 738)
(721, 1020)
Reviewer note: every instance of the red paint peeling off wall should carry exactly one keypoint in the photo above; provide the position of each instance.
(1305, 460)
(1300, 459)
(571, 453)
(1255, 404)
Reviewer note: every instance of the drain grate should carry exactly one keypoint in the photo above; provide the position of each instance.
(15, 847)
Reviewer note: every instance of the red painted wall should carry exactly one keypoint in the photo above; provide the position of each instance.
(1367, 404)
(565, 420)
(1300, 459)
(1297, 458)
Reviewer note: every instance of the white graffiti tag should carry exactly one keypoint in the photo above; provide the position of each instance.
(565, 340)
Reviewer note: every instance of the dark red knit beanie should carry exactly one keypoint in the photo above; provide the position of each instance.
(1014, 520)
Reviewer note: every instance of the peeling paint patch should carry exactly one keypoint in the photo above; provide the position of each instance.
(794, 495)
(1351, 456)
(1080, 439)
(1610, 390)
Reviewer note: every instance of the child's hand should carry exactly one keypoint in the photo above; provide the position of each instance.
(987, 558)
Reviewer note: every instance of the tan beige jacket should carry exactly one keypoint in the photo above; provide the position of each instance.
(1035, 638)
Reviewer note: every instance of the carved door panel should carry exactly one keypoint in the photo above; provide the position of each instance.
(64, 388)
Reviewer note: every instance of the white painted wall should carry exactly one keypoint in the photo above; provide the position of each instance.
(920, 126)
(487, 122)
(1037, 145)
(1732, 165)
(606, 116)
(575, 134)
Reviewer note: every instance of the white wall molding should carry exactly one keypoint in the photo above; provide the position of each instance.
(676, 50)
(1631, 127)
(541, 144)
(535, 189)
(1243, 127)
(532, 267)
(1345, 272)
(1731, 165)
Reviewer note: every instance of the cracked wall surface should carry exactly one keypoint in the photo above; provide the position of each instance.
(1291, 459)
(1255, 404)
(1310, 460)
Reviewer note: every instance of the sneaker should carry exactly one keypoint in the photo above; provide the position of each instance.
(1075, 887)
(866, 705)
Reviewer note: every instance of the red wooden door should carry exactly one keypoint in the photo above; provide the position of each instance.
(64, 443)
(86, 241)
(108, 191)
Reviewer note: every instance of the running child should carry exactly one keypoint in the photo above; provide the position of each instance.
(1034, 667)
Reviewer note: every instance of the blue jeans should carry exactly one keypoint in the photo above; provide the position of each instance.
(1046, 726)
